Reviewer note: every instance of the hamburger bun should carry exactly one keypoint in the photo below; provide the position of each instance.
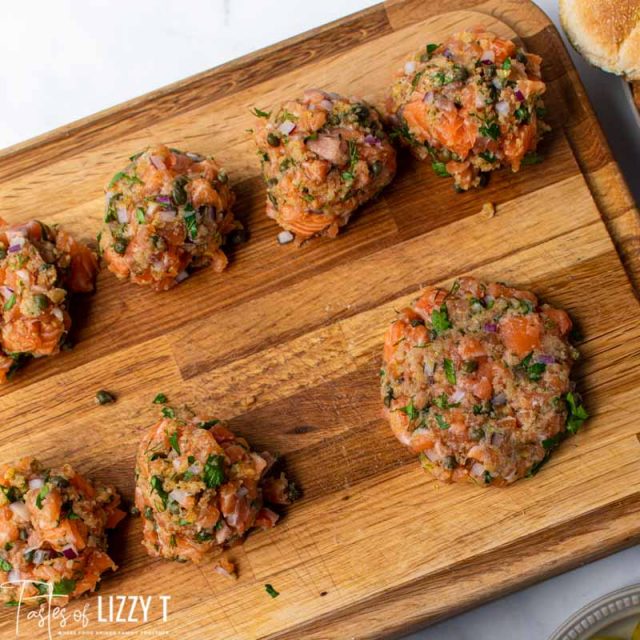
(606, 33)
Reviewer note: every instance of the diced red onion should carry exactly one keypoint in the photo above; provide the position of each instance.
(326, 104)
(167, 215)
(429, 366)
(409, 67)
(41, 555)
(179, 495)
(519, 95)
(14, 248)
(490, 327)
(6, 291)
(447, 53)
(499, 399)
(458, 396)
(14, 576)
(223, 533)
(287, 127)
(123, 217)
(57, 313)
(488, 57)
(444, 104)
(194, 468)
(242, 491)
(497, 439)
(163, 199)
(369, 139)
(20, 510)
(23, 274)
(157, 162)
(222, 571)
(429, 97)
(477, 469)
(183, 275)
(502, 108)
(69, 552)
(546, 359)
(36, 483)
(432, 455)
(497, 83)
(285, 237)
(176, 464)
(329, 148)
(480, 100)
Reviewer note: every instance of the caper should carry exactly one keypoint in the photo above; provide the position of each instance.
(41, 301)
(104, 397)
(449, 462)
(120, 246)
(273, 139)
(179, 193)
(477, 434)
(376, 168)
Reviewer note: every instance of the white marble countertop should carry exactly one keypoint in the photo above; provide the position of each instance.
(67, 59)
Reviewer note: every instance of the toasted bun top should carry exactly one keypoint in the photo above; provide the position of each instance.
(605, 32)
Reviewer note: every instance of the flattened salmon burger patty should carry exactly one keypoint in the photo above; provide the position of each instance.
(476, 381)
(322, 157)
(470, 104)
(166, 214)
(200, 489)
(39, 267)
(53, 524)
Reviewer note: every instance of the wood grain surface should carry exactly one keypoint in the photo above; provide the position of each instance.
(286, 345)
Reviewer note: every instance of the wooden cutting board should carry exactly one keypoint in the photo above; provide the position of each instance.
(286, 344)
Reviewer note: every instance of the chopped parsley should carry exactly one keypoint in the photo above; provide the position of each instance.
(271, 591)
(442, 423)
(161, 398)
(42, 494)
(440, 319)
(4, 565)
(534, 370)
(522, 114)
(440, 169)
(577, 413)
(140, 215)
(168, 412)
(506, 64)
(490, 130)
(410, 410)
(173, 440)
(191, 223)
(259, 113)
(10, 302)
(64, 587)
(156, 485)
(532, 158)
(442, 402)
(450, 371)
(213, 473)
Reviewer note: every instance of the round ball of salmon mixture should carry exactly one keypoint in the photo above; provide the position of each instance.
(322, 157)
(166, 214)
(476, 380)
(200, 489)
(39, 267)
(53, 524)
(470, 104)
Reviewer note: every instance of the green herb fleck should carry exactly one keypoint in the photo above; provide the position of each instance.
(450, 371)
(213, 473)
(440, 169)
(271, 591)
(156, 485)
(440, 319)
(42, 494)
(5, 565)
(140, 215)
(160, 399)
(191, 224)
(168, 412)
(64, 587)
(410, 410)
(10, 302)
(173, 440)
(490, 130)
(577, 413)
(258, 113)
(442, 423)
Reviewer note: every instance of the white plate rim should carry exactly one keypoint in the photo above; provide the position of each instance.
(600, 613)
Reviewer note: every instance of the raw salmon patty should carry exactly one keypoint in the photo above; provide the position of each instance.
(200, 489)
(40, 266)
(322, 157)
(470, 104)
(166, 214)
(476, 381)
(53, 526)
